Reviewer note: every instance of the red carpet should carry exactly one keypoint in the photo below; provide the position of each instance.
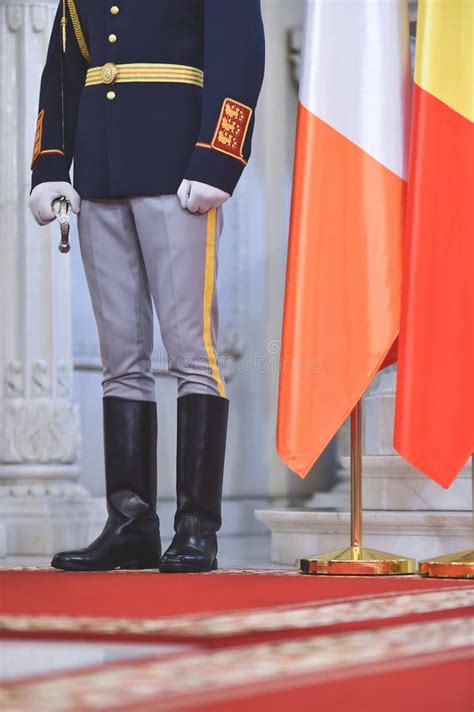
(267, 641)
(130, 605)
(142, 595)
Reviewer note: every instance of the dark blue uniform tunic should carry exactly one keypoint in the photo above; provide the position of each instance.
(148, 92)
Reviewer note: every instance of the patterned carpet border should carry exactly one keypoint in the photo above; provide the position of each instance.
(180, 682)
(322, 614)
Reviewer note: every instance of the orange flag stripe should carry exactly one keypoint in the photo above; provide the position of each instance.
(434, 421)
(342, 299)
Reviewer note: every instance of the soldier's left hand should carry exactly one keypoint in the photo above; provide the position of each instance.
(200, 197)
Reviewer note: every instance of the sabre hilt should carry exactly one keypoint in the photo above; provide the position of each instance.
(62, 209)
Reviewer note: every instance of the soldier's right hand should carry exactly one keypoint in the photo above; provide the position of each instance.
(44, 194)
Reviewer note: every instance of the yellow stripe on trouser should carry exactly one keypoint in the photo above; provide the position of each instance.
(209, 278)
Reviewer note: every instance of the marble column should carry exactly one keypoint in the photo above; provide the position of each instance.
(42, 506)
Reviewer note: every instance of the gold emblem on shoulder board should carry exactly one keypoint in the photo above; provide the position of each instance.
(109, 73)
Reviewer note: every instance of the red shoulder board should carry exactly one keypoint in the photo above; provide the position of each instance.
(232, 127)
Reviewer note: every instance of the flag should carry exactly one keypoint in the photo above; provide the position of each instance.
(343, 282)
(434, 415)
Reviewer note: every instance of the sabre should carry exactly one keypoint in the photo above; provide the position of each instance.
(61, 209)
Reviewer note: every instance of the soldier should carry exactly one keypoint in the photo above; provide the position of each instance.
(154, 100)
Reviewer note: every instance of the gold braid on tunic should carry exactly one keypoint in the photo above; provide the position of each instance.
(77, 27)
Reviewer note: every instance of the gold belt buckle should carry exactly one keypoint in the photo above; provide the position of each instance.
(109, 73)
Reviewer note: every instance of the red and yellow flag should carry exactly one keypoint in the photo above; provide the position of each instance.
(342, 297)
(434, 419)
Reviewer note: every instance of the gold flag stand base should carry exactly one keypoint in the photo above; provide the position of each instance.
(459, 565)
(357, 560)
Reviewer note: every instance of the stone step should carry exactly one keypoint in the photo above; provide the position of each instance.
(297, 533)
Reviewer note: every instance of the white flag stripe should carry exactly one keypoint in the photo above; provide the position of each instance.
(356, 73)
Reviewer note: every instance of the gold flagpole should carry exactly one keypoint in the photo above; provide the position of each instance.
(356, 477)
(356, 560)
(458, 565)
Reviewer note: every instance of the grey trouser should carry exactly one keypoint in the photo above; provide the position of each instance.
(136, 250)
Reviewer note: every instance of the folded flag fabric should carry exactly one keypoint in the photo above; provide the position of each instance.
(343, 282)
(434, 417)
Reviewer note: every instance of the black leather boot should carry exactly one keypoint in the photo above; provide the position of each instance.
(202, 427)
(131, 536)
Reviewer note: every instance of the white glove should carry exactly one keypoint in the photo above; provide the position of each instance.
(44, 194)
(200, 197)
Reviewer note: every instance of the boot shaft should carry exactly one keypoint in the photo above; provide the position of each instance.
(201, 441)
(130, 439)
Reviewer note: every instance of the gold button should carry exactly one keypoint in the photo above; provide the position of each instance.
(114, 10)
(112, 38)
(109, 73)
(110, 95)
